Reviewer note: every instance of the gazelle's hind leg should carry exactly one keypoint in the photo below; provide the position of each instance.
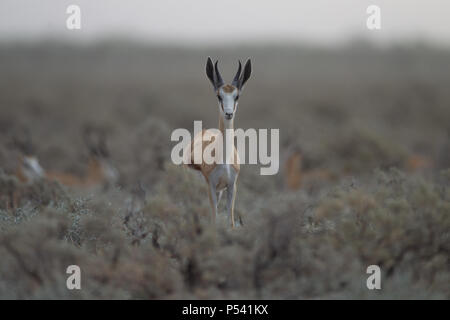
(231, 196)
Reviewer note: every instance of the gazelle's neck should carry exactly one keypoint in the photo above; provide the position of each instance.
(228, 139)
(225, 124)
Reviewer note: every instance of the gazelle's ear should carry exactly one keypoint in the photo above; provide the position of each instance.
(210, 72)
(237, 76)
(219, 81)
(246, 74)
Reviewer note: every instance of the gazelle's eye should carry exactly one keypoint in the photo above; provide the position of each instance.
(237, 98)
(219, 97)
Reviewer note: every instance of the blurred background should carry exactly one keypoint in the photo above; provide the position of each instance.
(85, 123)
(213, 22)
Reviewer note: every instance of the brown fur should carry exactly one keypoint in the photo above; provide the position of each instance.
(295, 177)
(20, 175)
(293, 171)
(203, 167)
(418, 162)
(228, 88)
(94, 175)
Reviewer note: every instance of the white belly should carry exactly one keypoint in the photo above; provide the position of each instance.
(222, 176)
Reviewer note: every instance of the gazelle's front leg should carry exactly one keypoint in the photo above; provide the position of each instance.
(213, 200)
(231, 196)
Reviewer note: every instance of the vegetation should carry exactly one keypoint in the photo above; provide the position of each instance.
(364, 114)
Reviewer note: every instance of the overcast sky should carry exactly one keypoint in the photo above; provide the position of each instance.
(212, 21)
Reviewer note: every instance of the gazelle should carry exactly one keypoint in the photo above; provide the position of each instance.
(99, 170)
(221, 176)
(28, 168)
(293, 170)
(295, 176)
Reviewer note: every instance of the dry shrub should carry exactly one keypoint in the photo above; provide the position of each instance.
(362, 150)
(150, 236)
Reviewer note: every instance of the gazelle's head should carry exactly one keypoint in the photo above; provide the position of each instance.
(30, 169)
(228, 94)
(100, 168)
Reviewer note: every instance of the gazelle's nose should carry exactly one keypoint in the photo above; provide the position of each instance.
(228, 115)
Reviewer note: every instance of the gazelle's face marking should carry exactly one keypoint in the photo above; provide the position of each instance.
(228, 97)
(228, 94)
